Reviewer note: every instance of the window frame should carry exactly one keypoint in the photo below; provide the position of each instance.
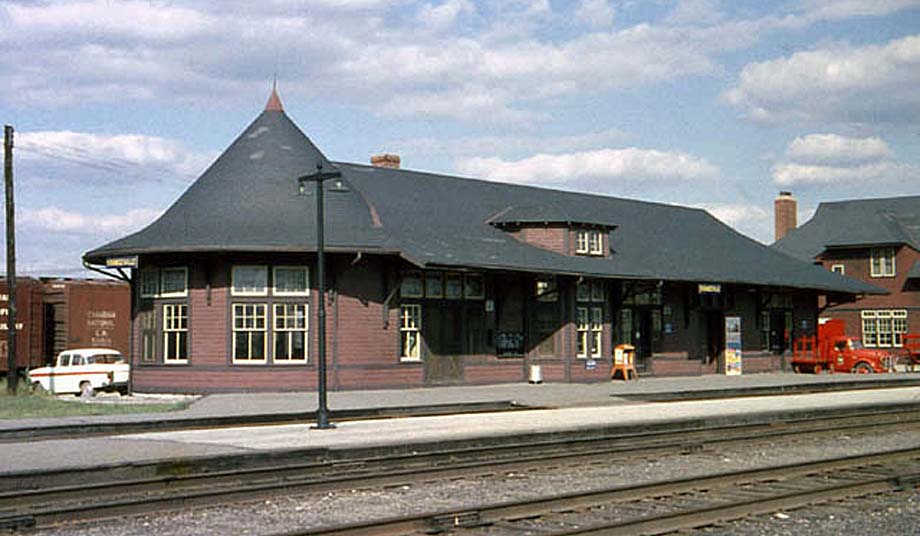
(175, 294)
(880, 256)
(295, 293)
(234, 330)
(883, 328)
(421, 285)
(405, 331)
(145, 276)
(288, 333)
(840, 269)
(242, 293)
(175, 324)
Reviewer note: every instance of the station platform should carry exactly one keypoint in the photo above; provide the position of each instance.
(544, 408)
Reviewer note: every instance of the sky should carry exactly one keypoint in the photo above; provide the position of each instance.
(119, 105)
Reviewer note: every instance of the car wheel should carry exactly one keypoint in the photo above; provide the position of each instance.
(38, 388)
(86, 390)
(862, 368)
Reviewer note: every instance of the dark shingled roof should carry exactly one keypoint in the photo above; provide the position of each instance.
(914, 272)
(248, 201)
(545, 213)
(856, 223)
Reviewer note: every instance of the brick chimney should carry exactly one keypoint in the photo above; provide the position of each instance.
(784, 214)
(386, 160)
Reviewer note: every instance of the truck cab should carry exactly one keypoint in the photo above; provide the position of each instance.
(849, 355)
(83, 371)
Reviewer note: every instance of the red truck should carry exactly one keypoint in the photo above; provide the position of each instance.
(832, 350)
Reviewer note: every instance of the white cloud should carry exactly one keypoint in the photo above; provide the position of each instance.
(846, 9)
(356, 52)
(444, 15)
(58, 220)
(869, 84)
(604, 164)
(129, 153)
(595, 13)
(786, 174)
(822, 159)
(836, 149)
(508, 144)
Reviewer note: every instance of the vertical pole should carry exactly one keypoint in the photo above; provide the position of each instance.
(12, 376)
(322, 411)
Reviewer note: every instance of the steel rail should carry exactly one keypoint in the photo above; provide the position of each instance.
(875, 480)
(120, 497)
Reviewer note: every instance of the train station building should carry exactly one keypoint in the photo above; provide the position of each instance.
(438, 280)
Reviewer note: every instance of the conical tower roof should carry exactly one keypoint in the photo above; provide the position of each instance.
(249, 199)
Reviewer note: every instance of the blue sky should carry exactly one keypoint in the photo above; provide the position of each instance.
(119, 105)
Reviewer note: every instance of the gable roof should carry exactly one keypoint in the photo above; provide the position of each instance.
(248, 200)
(855, 223)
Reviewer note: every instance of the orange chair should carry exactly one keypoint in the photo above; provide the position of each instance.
(624, 362)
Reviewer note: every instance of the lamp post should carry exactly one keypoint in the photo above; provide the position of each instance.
(322, 410)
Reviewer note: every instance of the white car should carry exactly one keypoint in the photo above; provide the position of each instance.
(83, 371)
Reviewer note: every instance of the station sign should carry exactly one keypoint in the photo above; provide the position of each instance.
(121, 262)
(709, 288)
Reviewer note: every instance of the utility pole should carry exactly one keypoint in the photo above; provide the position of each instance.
(12, 377)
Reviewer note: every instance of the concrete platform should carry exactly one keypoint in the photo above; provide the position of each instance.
(578, 407)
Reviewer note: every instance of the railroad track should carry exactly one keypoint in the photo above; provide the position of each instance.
(29, 501)
(665, 506)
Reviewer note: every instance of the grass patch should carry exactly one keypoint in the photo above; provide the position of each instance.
(27, 405)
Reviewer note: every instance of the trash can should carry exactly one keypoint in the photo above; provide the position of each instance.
(536, 374)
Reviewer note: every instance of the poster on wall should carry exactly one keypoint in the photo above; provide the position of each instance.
(732, 345)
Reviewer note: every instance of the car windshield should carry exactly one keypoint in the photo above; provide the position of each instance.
(856, 344)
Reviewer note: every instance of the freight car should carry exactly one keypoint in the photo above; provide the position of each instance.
(53, 315)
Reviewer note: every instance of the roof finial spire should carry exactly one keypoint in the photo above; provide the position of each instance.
(274, 102)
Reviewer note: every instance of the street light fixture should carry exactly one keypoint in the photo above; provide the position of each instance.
(322, 410)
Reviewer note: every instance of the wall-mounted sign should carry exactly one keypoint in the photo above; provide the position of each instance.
(490, 306)
(121, 262)
(590, 364)
(709, 288)
(509, 343)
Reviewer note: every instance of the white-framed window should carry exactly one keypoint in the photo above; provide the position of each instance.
(473, 288)
(597, 291)
(839, 269)
(411, 286)
(175, 333)
(410, 329)
(881, 262)
(589, 242)
(249, 326)
(595, 243)
(249, 280)
(453, 286)
(434, 285)
(590, 290)
(589, 327)
(290, 281)
(174, 282)
(884, 328)
(597, 331)
(289, 336)
(149, 282)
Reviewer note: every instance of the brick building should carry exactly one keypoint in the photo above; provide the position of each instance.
(876, 241)
(436, 279)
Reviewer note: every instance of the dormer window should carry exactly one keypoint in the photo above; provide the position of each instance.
(881, 261)
(589, 242)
